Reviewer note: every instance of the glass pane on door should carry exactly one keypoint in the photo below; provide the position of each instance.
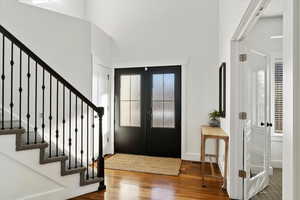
(257, 137)
(255, 103)
(130, 100)
(163, 100)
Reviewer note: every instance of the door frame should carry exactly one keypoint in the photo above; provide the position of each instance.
(168, 68)
(96, 62)
(185, 155)
(291, 60)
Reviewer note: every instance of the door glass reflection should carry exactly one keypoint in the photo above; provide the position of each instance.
(163, 100)
(130, 97)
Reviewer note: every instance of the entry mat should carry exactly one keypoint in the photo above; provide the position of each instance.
(146, 164)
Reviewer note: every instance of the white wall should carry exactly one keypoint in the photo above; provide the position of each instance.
(75, 8)
(63, 42)
(67, 50)
(231, 12)
(101, 45)
(155, 33)
(93, 11)
(275, 8)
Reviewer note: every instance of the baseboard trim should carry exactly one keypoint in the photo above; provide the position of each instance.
(194, 157)
(45, 195)
(191, 156)
(276, 163)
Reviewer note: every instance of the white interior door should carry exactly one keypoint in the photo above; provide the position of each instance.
(255, 101)
(102, 98)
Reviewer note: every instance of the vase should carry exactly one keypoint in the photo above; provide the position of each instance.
(214, 123)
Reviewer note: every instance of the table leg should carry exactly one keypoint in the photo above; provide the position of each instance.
(225, 164)
(202, 159)
(217, 151)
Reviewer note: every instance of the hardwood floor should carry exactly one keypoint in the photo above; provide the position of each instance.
(125, 185)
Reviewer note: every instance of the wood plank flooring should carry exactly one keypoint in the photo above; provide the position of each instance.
(125, 185)
(274, 190)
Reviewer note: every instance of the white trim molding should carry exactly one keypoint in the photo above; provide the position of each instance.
(276, 163)
(191, 156)
(184, 63)
(291, 97)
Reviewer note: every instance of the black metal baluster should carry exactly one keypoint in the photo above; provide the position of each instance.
(87, 142)
(43, 108)
(35, 108)
(76, 130)
(50, 119)
(64, 120)
(10, 62)
(20, 92)
(3, 78)
(28, 98)
(11, 84)
(70, 130)
(57, 102)
(93, 145)
(81, 151)
(100, 163)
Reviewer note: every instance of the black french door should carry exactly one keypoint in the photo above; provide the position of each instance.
(148, 111)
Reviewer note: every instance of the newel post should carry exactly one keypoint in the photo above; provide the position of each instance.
(100, 163)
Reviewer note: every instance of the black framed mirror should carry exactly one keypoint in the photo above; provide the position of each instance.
(222, 90)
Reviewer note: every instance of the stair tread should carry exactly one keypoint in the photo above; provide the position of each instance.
(92, 181)
(27, 141)
(12, 131)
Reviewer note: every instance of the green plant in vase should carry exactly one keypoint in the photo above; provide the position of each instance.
(214, 118)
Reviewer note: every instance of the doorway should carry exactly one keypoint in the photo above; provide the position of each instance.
(261, 72)
(102, 85)
(148, 111)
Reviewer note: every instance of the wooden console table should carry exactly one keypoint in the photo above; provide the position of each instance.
(217, 134)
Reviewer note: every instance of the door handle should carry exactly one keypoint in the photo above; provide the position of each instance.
(262, 123)
(149, 114)
(269, 124)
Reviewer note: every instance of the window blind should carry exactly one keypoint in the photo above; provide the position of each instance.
(278, 97)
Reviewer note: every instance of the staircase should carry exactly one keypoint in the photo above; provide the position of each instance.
(47, 113)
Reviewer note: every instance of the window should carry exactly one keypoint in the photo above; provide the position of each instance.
(278, 97)
(130, 100)
(163, 100)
